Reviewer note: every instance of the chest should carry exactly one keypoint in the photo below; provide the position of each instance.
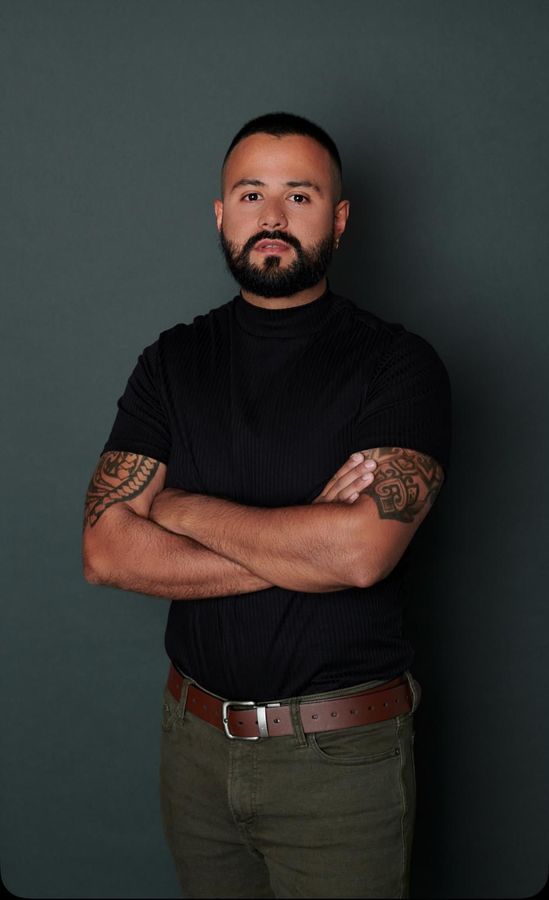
(263, 422)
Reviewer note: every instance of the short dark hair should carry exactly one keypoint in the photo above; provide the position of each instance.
(280, 124)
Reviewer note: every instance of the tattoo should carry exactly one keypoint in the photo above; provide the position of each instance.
(119, 476)
(405, 482)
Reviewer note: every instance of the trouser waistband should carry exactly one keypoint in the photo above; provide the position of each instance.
(248, 720)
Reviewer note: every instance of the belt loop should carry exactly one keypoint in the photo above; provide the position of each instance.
(297, 723)
(181, 706)
(415, 689)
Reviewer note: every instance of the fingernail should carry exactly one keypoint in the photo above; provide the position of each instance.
(370, 463)
(368, 476)
(357, 456)
(353, 496)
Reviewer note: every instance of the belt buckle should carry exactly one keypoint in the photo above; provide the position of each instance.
(261, 718)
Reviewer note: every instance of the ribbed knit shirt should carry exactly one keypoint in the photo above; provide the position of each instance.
(261, 407)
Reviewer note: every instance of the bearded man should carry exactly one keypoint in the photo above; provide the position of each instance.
(268, 466)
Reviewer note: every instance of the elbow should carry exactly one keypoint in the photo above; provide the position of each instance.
(93, 567)
(371, 570)
(368, 578)
(91, 573)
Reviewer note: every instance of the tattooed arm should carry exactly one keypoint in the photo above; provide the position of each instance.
(124, 549)
(392, 508)
(305, 548)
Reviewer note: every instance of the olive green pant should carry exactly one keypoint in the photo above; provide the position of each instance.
(329, 814)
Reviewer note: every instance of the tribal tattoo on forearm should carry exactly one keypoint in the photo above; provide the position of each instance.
(119, 476)
(405, 483)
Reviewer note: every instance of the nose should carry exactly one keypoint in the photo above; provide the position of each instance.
(272, 216)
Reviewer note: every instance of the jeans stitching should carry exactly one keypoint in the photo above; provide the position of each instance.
(404, 810)
(350, 760)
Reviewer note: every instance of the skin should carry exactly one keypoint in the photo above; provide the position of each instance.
(176, 544)
(124, 547)
(300, 550)
(307, 213)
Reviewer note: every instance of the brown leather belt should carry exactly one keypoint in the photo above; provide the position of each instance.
(250, 721)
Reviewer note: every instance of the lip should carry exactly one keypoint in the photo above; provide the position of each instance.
(272, 246)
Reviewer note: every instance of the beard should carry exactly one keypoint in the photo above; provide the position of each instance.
(270, 279)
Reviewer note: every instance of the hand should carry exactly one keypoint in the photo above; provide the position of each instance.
(349, 481)
(168, 509)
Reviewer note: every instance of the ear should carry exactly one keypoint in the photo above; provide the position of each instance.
(341, 214)
(218, 209)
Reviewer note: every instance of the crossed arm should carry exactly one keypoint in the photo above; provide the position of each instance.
(180, 545)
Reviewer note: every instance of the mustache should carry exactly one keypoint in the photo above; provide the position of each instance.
(270, 236)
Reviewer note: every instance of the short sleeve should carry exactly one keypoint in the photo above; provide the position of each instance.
(141, 424)
(407, 402)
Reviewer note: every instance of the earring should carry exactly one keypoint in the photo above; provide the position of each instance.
(336, 246)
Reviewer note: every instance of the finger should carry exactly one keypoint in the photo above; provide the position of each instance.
(333, 489)
(356, 486)
(354, 460)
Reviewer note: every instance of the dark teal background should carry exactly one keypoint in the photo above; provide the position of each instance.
(116, 116)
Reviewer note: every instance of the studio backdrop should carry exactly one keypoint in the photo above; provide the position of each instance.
(116, 116)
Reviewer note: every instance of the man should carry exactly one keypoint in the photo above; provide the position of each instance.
(267, 469)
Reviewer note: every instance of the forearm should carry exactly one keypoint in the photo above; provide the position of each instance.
(308, 548)
(133, 553)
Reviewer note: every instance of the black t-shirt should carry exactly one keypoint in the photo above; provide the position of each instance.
(262, 406)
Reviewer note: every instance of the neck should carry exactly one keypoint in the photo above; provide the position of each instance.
(299, 299)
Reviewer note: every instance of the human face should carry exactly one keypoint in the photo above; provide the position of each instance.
(279, 219)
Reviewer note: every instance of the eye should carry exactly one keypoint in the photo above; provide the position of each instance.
(299, 198)
(253, 195)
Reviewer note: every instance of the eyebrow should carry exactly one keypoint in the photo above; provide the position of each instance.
(255, 182)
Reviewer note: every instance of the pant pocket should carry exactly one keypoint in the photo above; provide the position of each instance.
(362, 745)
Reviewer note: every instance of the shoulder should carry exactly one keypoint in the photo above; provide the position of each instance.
(178, 338)
(366, 321)
(200, 325)
(391, 342)
(410, 353)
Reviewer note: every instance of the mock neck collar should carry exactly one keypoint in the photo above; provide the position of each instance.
(293, 321)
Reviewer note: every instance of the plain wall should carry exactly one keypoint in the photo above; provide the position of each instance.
(116, 116)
